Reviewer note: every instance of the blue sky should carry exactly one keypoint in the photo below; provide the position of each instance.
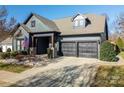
(20, 12)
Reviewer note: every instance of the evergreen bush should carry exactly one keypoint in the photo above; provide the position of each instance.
(107, 52)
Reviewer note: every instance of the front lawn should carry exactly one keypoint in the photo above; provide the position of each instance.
(13, 67)
(122, 54)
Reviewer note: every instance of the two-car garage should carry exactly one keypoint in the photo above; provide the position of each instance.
(80, 48)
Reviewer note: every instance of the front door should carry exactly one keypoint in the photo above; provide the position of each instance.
(42, 43)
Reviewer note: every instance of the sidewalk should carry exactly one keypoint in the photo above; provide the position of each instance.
(4, 77)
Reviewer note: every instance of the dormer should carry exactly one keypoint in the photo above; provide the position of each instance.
(79, 20)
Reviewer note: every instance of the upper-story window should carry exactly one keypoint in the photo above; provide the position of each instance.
(82, 22)
(33, 23)
(76, 23)
(79, 23)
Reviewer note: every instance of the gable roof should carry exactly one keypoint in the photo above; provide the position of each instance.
(4, 35)
(73, 17)
(17, 26)
(25, 28)
(49, 23)
(65, 25)
(7, 40)
(97, 25)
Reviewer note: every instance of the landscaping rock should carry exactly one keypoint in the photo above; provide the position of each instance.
(64, 77)
(11, 61)
(35, 61)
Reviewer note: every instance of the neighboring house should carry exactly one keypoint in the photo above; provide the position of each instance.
(5, 41)
(80, 35)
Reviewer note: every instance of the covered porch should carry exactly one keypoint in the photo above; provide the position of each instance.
(40, 41)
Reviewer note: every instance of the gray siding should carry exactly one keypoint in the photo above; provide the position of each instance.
(39, 26)
(24, 33)
(82, 38)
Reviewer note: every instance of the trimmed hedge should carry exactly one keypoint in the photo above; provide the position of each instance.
(107, 52)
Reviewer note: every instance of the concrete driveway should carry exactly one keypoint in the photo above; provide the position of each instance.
(59, 63)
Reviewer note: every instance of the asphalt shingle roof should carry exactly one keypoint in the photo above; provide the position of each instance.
(97, 25)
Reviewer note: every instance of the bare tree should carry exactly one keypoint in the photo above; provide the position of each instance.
(5, 24)
(119, 25)
(11, 24)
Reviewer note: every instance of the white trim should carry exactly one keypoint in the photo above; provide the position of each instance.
(42, 35)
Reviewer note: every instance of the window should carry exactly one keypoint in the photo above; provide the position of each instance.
(20, 44)
(76, 23)
(33, 23)
(81, 22)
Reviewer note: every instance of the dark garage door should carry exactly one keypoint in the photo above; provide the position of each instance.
(88, 49)
(82, 49)
(69, 48)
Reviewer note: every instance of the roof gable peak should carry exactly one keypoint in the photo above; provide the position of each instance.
(78, 14)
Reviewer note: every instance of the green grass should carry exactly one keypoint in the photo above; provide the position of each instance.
(13, 67)
(122, 54)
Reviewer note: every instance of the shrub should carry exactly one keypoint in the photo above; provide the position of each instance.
(120, 43)
(23, 52)
(1, 49)
(13, 54)
(5, 55)
(19, 57)
(49, 52)
(107, 52)
(8, 50)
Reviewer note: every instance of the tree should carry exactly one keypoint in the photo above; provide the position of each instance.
(11, 24)
(119, 25)
(3, 16)
(5, 24)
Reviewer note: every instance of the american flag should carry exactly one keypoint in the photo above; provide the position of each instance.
(26, 42)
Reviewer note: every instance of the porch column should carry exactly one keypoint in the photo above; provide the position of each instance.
(32, 41)
(52, 40)
(32, 51)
